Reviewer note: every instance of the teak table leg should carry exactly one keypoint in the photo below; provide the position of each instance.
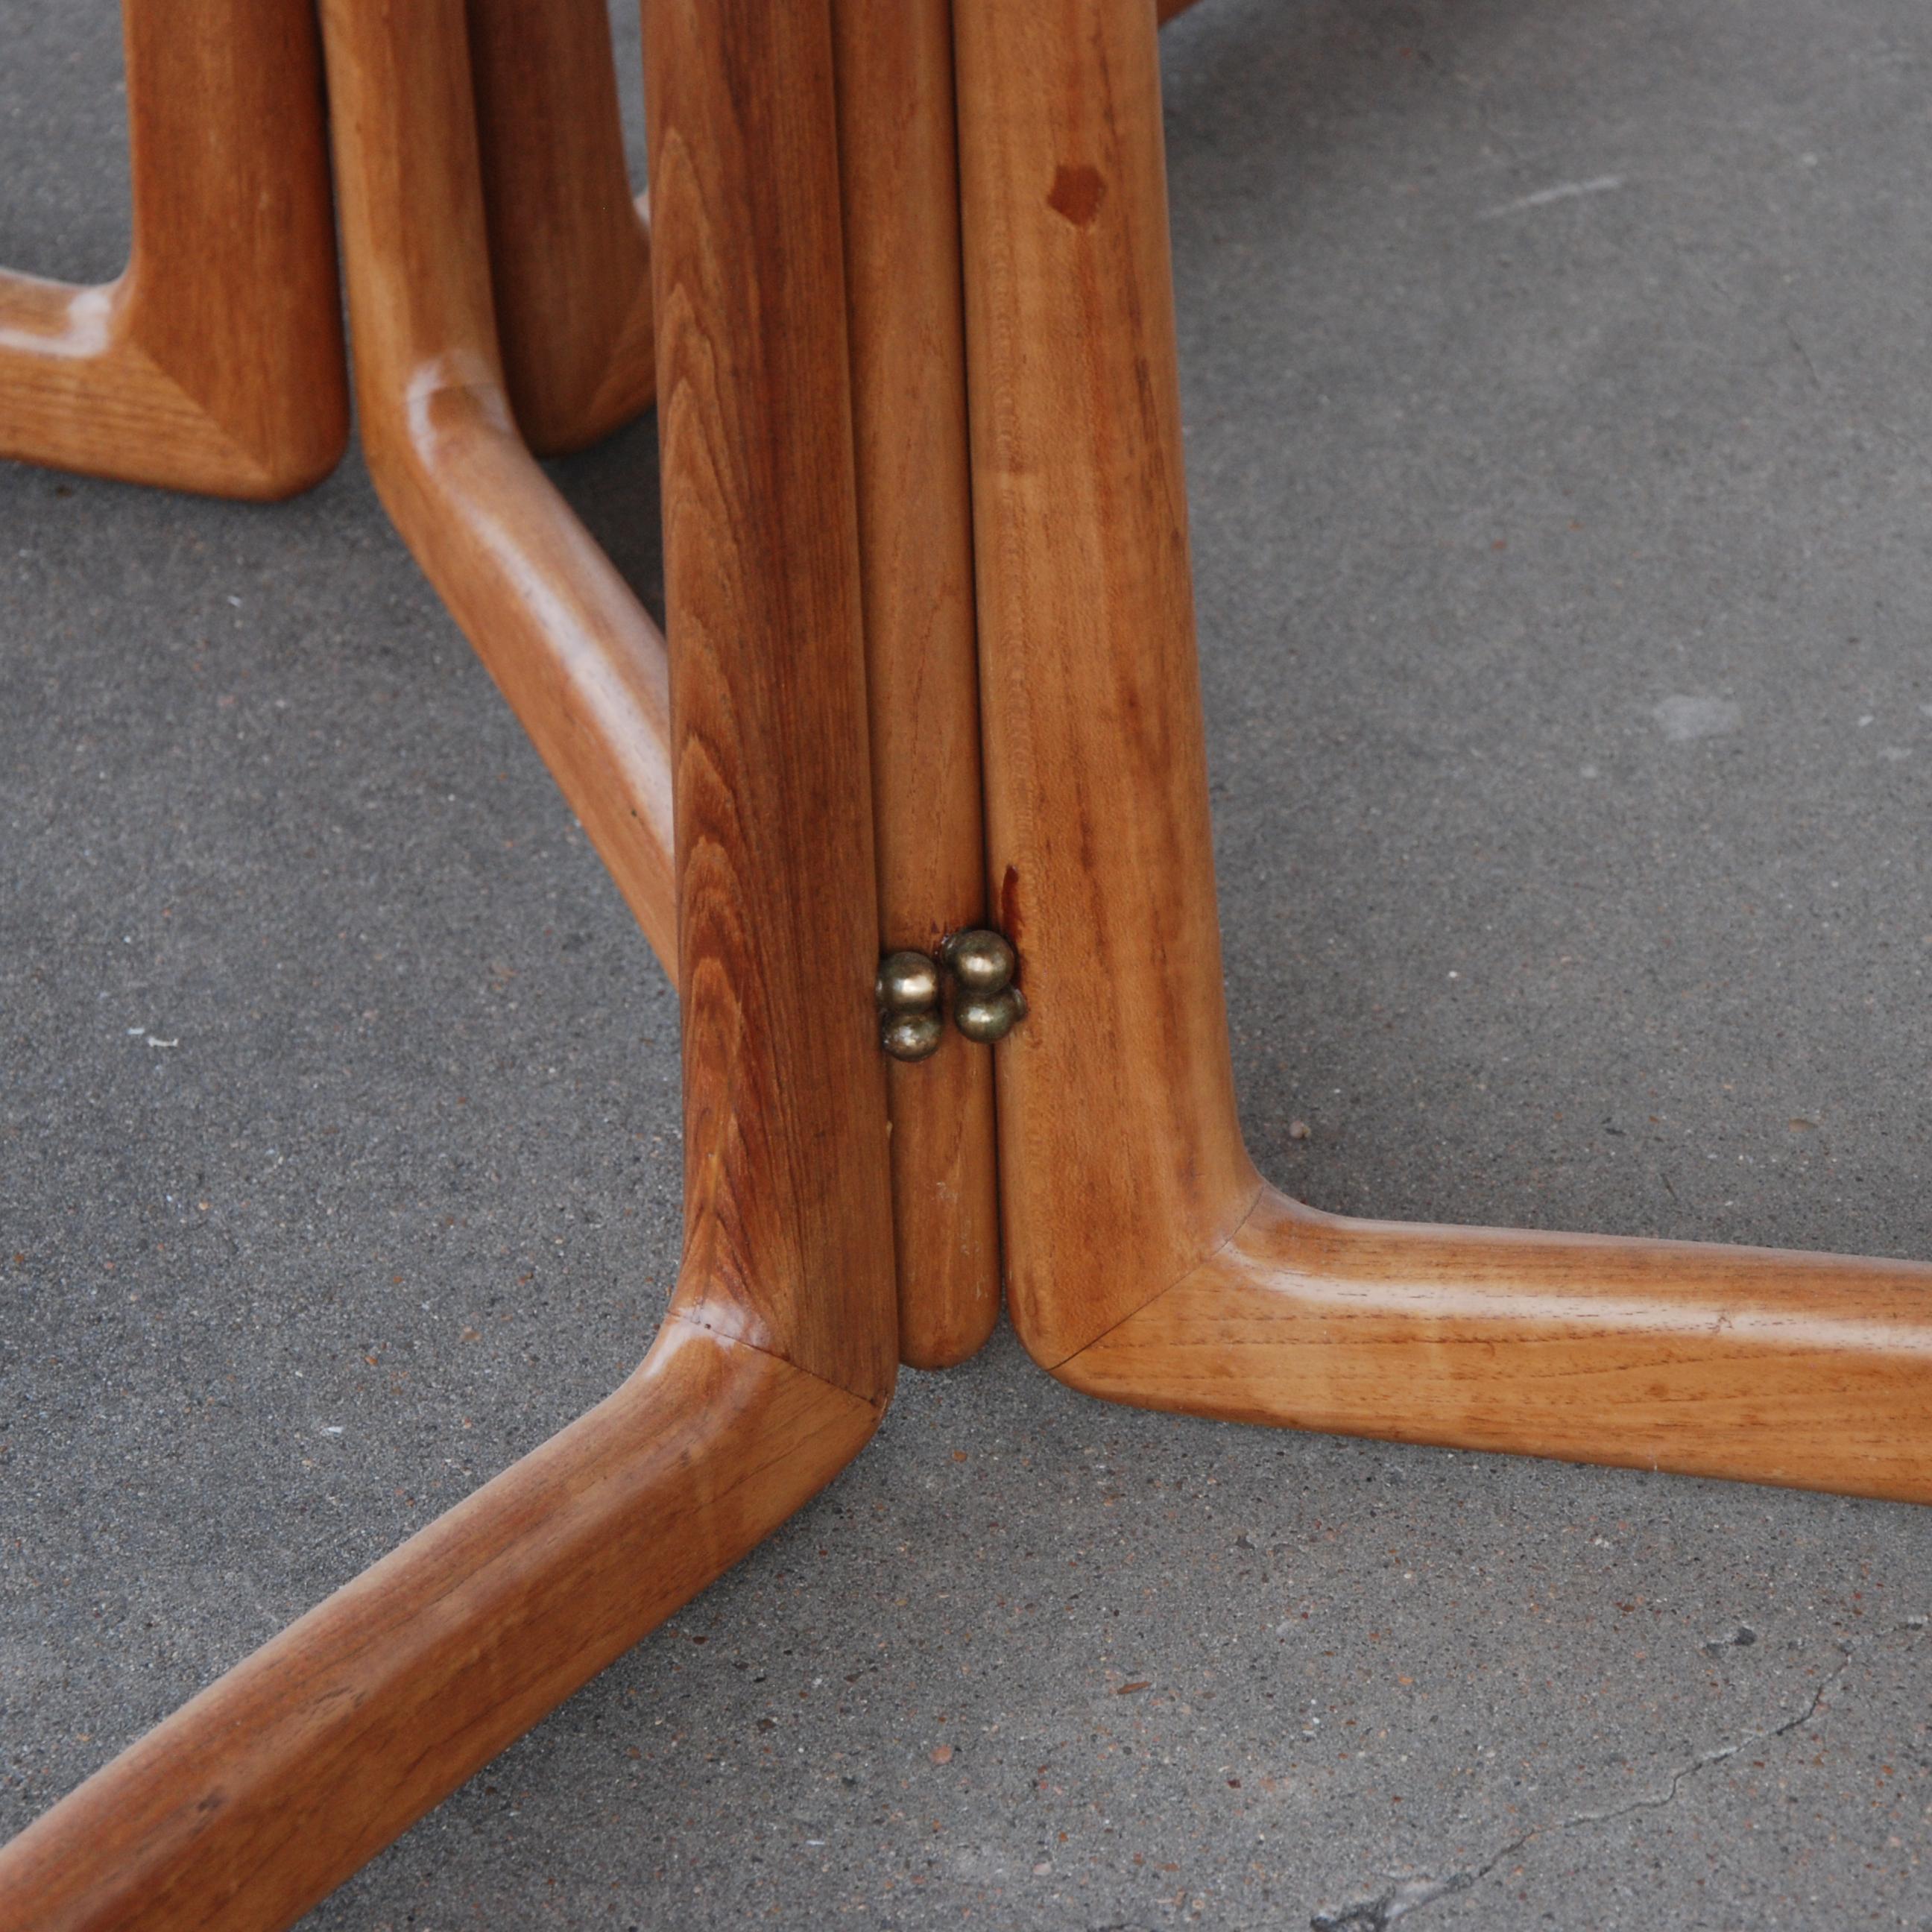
(568, 643)
(778, 1356)
(787, 1184)
(214, 362)
(569, 251)
(1146, 1260)
(901, 202)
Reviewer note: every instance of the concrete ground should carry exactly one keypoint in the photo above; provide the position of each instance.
(1558, 401)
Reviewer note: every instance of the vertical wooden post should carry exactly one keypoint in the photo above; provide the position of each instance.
(900, 170)
(569, 252)
(1121, 1161)
(787, 1197)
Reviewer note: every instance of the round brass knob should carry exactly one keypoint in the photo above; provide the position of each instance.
(908, 982)
(989, 1016)
(981, 960)
(912, 1036)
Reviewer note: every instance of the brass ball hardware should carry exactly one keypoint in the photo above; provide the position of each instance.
(981, 960)
(989, 1016)
(911, 993)
(912, 1036)
(908, 982)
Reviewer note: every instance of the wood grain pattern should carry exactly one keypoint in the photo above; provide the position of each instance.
(569, 645)
(901, 185)
(1120, 1163)
(1146, 1263)
(264, 1793)
(786, 1157)
(569, 247)
(1813, 1371)
(570, 255)
(779, 1354)
(214, 363)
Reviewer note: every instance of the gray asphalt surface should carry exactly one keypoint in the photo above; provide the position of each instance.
(1558, 399)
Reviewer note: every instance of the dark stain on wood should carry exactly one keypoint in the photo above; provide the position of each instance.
(1077, 193)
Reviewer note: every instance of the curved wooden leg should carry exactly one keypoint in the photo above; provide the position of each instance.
(569, 645)
(268, 1789)
(779, 1354)
(215, 362)
(1145, 1261)
(569, 247)
(1810, 1370)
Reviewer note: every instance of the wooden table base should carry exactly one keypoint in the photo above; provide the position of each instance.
(925, 543)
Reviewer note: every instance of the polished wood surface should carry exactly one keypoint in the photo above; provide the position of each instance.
(570, 254)
(1146, 1261)
(258, 1798)
(780, 1348)
(808, 391)
(569, 249)
(567, 641)
(786, 1175)
(1120, 1162)
(901, 187)
(214, 362)
(1813, 1371)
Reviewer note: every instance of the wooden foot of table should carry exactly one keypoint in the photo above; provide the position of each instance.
(266, 1792)
(1145, 1261)
(214, 363)
(569, 645)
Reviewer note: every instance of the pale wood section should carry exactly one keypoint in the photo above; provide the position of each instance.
(570, 252)
(214, 363)
(568, 643)
(258, 1798)
(786, 1183)
(1121, 1163)
(900, 176)
(1808, 1370)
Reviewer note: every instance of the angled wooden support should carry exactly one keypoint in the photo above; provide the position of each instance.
(1146, 1260)
(570, 257)
(214, 362)
(280, 1780)
(568, 643)
(778, 1356)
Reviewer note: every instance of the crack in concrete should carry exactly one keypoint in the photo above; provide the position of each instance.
(1411, 1894)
